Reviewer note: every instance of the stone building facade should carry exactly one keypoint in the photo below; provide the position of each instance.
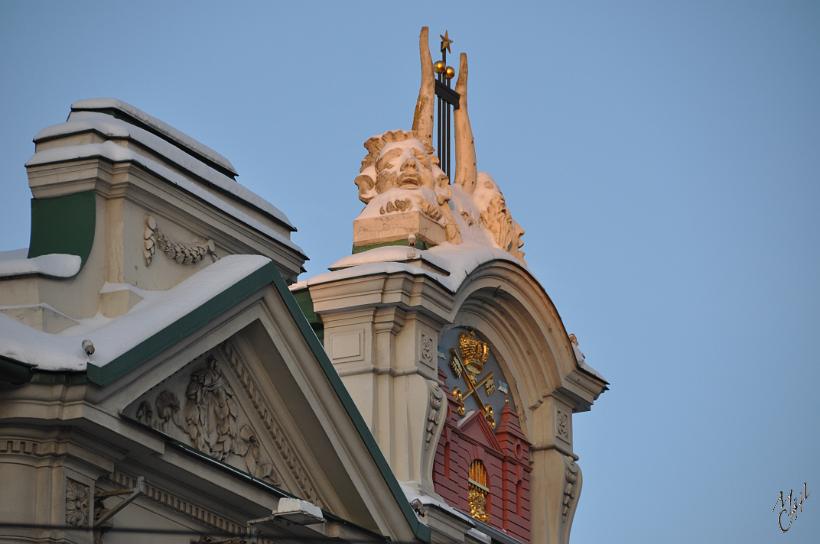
(164, 377)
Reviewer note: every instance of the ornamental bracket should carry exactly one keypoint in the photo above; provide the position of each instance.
(106, 515)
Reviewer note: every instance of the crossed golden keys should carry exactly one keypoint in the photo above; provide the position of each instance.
(467, 363)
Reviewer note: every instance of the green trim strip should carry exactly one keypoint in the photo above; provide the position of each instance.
(305, 302)
(63, 224)
(420, 244)
(14, 372)
(181, 328)
(421, 531)
(220, 304)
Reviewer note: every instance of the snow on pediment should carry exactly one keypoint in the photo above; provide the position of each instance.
(216, 406)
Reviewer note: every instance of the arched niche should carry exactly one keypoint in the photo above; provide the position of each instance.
(506, 304)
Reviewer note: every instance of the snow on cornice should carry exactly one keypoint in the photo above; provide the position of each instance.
(58, 265)
(112, 127)
(116, 153)
(112, 337)
(180, 139)
(456, 261)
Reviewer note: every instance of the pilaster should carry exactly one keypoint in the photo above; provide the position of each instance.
(381, 333)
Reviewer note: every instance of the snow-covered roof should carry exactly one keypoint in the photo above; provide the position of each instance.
(137, 116)
(112, 337)
(179, 149)
(456, 262)
(17, 263)
(117, 153)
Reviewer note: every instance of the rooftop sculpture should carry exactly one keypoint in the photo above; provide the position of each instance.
(409, 197)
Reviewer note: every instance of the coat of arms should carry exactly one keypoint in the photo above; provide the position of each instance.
(467, 362)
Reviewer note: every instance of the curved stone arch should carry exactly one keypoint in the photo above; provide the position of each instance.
(506, 304)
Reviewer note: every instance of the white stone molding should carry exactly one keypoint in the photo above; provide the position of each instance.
(503, 301)
(286, 449)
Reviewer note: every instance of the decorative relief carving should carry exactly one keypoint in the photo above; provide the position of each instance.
(562, 423)
(400, 173)
(176, 251)
(398, 205)
(428, 349)
(303, 480)
(210, 420)
(203, 409)
(435, 412)
(571, 487)
(77, 503)
(167, 405)
(434, 424)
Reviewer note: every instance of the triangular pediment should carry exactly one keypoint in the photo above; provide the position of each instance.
(252, 394)
(216, 406)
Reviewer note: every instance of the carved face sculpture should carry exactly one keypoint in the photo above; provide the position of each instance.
(396, 160)
(399, 174)
(496, 217)
(404, 165)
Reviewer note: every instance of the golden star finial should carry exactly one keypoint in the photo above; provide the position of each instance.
(445, 42)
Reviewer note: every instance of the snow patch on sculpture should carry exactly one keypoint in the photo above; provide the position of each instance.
(410, 200)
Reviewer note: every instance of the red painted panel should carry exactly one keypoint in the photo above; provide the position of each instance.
(505, 453)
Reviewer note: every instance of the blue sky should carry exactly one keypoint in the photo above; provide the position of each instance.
(664, 159)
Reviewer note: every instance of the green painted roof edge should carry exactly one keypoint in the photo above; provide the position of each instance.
(196, 319)
(421, 531)
(305, 303)
(14, 372)
(63, 224)
(182, 327)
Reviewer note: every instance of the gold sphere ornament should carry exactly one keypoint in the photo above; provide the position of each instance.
(439, 66)
(449, 72)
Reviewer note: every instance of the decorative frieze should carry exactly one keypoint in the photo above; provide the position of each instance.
(211, 420)
(19, 446)
(178, 252)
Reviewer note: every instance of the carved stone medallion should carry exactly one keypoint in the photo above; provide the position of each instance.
(77, 503)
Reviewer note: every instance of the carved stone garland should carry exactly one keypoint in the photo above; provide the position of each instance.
(176, 251)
